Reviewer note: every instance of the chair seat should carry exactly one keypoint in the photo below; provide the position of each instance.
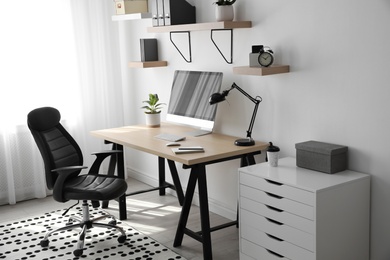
(94, 187)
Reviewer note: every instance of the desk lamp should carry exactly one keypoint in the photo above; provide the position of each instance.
(219, 97)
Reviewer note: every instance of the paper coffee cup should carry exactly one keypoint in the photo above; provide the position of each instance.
(273, 158)
(273, 155)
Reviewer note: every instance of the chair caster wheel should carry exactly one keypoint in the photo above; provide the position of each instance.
(112, 222)
(78, 252)
(121, 239)
(44, 243)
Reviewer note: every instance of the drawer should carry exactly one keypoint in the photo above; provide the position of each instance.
(277, 188)
(277, 246)
(278, 230)
(279, 215)
(278, 202)
(245, 257)
(253, 251)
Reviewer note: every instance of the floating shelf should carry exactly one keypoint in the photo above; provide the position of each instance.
(213, 27)
(261, 71)
(147, 64)
(200, 26)
(125, 17)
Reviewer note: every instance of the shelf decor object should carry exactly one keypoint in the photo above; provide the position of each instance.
(130, 6)
(224, 13)
(224, 10)
(172, 12)
(219, 97)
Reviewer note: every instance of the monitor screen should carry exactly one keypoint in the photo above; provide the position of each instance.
(189, 101)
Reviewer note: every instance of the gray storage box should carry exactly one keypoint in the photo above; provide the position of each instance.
(323, 157)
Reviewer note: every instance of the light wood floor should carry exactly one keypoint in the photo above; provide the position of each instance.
(151, 214)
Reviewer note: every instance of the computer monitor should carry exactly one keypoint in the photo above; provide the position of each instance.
(189, 101)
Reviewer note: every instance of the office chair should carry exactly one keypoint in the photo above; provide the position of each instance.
(63, 162)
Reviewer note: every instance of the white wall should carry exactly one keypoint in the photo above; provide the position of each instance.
(337, 90)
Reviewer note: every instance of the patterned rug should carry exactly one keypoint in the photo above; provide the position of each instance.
(20, 239)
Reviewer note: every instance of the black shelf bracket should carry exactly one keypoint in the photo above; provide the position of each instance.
(189, 45)
(231, 44)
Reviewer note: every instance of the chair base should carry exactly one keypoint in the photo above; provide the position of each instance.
(85, 224)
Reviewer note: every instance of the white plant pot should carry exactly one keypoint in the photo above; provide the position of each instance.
(224, 13)
(153, 120)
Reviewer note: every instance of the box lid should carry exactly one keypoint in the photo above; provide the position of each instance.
(321, 147)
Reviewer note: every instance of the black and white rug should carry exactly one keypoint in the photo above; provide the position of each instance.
(20, 239)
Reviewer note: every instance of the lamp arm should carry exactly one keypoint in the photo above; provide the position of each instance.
(249, 131)
(254, 100)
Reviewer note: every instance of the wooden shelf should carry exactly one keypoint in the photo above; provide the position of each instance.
(147, 64)
(213, 27)
(261, 71)
(125, 17)
(200, 26)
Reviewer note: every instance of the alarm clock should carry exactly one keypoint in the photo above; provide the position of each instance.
(261, 56)
(266, 58)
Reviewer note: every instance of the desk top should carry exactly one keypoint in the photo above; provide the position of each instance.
(142, 137)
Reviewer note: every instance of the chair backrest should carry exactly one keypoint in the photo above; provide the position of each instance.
(57, 146)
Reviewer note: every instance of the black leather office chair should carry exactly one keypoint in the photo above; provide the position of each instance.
(63, 162)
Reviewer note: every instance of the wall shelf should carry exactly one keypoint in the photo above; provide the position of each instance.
(125, 17)
(200, 26)
(147, 64)
(213, 27)
(261, 71)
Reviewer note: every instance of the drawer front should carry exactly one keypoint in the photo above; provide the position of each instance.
(277, 201)
(280, 189)
(245, 257)
(277, 246)
(279, 215)
(257, 252)
(278, 230)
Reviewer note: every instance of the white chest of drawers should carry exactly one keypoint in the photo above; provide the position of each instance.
(293, 213)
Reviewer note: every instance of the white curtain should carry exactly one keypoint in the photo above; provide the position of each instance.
(60, 53)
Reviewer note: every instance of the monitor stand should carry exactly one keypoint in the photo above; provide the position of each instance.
(199, 132)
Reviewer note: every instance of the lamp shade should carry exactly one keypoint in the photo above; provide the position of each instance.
(217, 97)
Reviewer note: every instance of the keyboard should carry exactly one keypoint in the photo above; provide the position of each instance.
(170, 137)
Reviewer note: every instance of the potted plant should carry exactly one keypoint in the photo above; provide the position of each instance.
(224, 10)
(152, 110)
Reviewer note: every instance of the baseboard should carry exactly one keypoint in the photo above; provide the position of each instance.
(214, 206)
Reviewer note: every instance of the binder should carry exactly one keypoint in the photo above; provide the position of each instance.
(157, 7)
(178, 12)
(172, 12)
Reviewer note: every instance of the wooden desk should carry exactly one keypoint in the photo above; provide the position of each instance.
(218, 148)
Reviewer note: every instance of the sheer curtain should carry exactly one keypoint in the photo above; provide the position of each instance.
(60, 53)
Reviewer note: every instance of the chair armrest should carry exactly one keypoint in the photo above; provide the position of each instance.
(108, 152)
(100, 156)
(63, 174)
(67, 169)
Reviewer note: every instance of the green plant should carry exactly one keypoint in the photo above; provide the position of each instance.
(153, 106)
(225, 2)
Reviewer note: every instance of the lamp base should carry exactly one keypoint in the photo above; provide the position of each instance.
(244, 142)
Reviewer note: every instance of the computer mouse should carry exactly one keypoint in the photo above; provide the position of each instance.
(173, 144)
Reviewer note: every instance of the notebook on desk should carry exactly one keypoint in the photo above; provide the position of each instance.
(192, 149)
